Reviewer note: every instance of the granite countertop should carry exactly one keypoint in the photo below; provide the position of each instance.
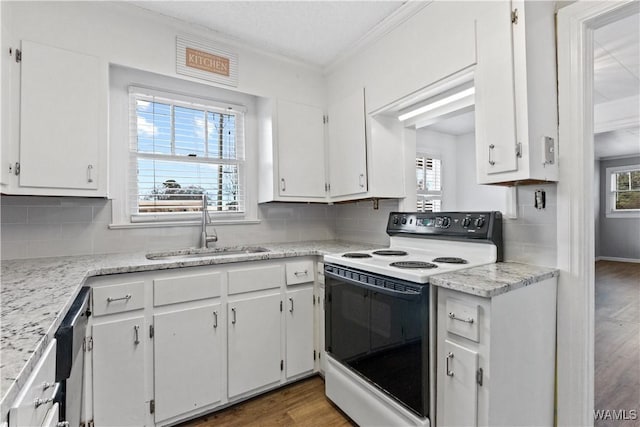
(493, 279)
(37, 292)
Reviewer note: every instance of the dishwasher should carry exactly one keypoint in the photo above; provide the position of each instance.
(70, 358)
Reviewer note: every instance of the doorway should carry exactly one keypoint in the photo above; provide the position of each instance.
(616, 116)
(576, 205)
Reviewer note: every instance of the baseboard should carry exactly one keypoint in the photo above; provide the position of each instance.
(611, 258)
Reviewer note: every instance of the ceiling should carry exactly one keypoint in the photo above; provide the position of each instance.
(616, 78)
(314, 32)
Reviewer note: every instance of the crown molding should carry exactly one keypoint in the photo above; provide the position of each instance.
(384, 27)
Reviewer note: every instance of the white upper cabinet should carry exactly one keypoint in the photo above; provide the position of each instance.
(62, 124)
(291, 152)
(516, 94)
(347, 146)
(300, 136)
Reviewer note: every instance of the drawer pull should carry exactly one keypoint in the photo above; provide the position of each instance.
(136, 334)
(127, 297)
(39, 402)
(449, 371)
(215, 319)
(301, 273)
(453, 316)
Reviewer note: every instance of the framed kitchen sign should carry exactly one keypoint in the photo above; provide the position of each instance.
(206, 60)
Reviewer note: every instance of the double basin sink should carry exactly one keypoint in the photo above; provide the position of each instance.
(197, 253)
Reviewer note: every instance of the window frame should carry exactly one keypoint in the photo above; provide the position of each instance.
(120, 79)
(610, 193)
(178, 100)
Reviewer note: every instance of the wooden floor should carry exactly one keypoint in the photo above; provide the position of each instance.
(299, 404)
(617, 340)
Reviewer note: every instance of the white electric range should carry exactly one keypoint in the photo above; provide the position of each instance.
(380, 318)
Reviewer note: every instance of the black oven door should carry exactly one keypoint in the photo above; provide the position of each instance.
(379, 328)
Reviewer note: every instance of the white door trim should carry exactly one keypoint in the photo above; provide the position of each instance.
(575, 364)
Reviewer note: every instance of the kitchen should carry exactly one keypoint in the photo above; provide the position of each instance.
(119, 35)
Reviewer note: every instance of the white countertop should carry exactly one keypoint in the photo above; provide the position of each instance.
(36, 293)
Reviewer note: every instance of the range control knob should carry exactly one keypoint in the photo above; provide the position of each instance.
(466, 222)
(404, 220)
(446, 222)
(395, 220)
(479, 222)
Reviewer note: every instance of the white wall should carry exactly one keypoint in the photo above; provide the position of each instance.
(125, 35)
(618, 237)
(444, 147)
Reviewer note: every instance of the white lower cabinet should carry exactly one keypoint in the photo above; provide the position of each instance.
(496, 357)
(119, 372)
(299, 327)
(254, 343)
(187, 360)
(171, 345)
(460, 388)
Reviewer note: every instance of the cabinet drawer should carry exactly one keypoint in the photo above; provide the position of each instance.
(462, 319)
(255, 279)
(118, 298)
(299, 272)
(40, 385)
(193, 287)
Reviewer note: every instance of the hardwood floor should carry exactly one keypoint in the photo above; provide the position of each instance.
(617, 341)
(299, 404)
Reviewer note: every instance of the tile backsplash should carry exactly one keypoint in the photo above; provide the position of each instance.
(56, 226)
(35, 227)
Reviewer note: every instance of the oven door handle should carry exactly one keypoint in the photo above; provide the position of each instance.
(373, 288)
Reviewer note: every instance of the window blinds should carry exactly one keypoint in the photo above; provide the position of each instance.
(428, 184)
(181, 150)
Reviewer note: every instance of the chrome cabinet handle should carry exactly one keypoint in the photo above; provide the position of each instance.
(136, 334)
(361, 180)
(283, 183)
(491, 162)
(89, 170)
(127, 297)
(215, 319)
(39, 402)
(301, 273)
(453, 316)
(233, 311)
(449, 371)
(291, 301)
(46, 385)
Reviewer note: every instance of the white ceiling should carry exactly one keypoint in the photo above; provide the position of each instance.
(616, 78)
(315, 32)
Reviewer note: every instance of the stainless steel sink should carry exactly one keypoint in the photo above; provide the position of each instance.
(206, 253)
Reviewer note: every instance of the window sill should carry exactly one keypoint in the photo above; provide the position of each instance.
(630, 215)
(161, 224)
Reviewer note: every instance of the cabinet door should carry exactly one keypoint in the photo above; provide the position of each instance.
(59, 118)
(460, 388)
(254, 343)
(118, 373)
(321, 329)
(187, 360)
(495, 108)
(299, 343)
(300, 150)
(348, 146)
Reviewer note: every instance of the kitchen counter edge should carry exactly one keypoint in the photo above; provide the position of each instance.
(491, 280)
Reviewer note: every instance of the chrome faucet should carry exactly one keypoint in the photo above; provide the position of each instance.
(206, 219)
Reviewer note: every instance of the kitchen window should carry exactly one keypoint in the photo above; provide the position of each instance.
(428, 184)
(623, 184)
(180, 150)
